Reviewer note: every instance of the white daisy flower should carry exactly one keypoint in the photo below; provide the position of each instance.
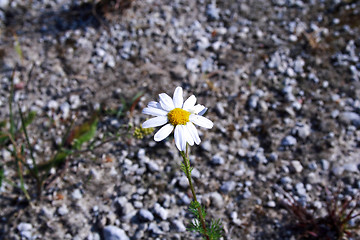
(179, 116)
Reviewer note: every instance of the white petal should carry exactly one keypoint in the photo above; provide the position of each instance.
(201, 121)
(163, 132)
(193, 132)
(154, 104)
(189, 103)
(178, 97)
(155, 122)
(198, 109)
(154, 111)
(203, 111)
(180, 141)
(166, 102)
(187, 134)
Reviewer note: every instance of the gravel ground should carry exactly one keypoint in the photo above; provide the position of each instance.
(281, 80)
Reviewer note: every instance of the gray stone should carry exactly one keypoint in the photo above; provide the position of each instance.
(178, 72)
(300, 189)
(296, 166)
(155, 229)
(217, 160)
(216, 200)
(253, 101)
(271, 204)
(125, 206)
(153, 166)
(160, 211)
(289, 141)
(192, 64)
(337, 170)
(114, 233)
(220, 109)
(228, 186)
(302, 130)
(312, 166)
(76, 194)
(325, 164)
(179, 225)
(351, 167)
(206, 145)
(212, 12)
(273, 156)
(63, 210)
(350, 118)
(146, 215)
(183, 182)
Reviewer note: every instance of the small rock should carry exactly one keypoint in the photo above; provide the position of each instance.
(179, 225)
(155, 229)
(312, 166)
(216, 200)
(53, 105)
(76, 194)
(217, 160)
(114, 233)
(65, 110)
(228, 186)
(271, 204)
(74, 101)
(337, 170)
(350, 118)
(195, 173)
(25, 230)
(178, 72)
(351, 167)
(63, 210)
(160, 211)
(206, 145)
(212, 12)
(285, 180)
(22, 227)
(146, 215)
(289, 141)
(253, 101)
(273, 156)
(153, 166)
(325, 164)
(219, 108)
(302, 130)
(125, 206)
(183, 182)
(296, 166)
(192, 64)
(300, 189)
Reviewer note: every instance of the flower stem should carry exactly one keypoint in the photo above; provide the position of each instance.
(185, 157)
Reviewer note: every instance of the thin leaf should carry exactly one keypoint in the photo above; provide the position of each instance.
(56, 161)
(29, 118)
(1, 175)
(82, 133)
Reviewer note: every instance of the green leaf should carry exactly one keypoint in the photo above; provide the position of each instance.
(1, 175)
(55, 162)
(29, 118)
(83, 133)
(18, 48)
(3, 139)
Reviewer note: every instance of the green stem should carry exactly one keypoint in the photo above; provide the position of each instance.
(185, 157)
(22, 185)
(28, 143)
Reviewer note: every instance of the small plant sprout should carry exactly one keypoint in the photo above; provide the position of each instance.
(175, 115)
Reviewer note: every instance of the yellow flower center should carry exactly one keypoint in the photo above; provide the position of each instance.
(178, 116)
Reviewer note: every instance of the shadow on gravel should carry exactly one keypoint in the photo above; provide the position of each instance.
(49, 22)
(23, 20)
